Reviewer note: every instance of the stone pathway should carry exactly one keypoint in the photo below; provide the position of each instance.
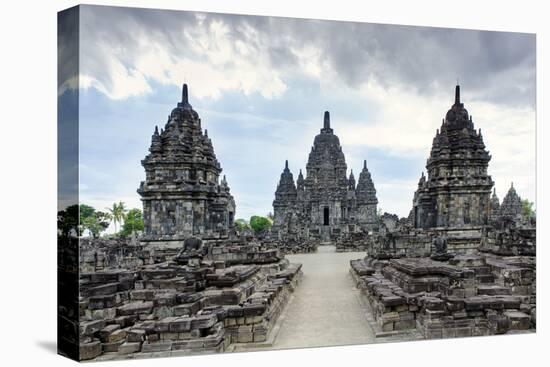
(325, 309)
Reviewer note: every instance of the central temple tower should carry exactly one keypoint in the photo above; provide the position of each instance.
(326, 203)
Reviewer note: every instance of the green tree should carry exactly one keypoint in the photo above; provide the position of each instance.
(527, 208)
(133, 221)
(85, 211)
(259, 224)
(85, 221)
(92, 220)
(117, 211)
(241, 224)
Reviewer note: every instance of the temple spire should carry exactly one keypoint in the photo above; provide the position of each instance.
(184, 94)
(457, 94)
(326, 122)
(286, 164)
(365, 164)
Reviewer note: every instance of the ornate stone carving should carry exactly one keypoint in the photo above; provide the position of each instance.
(457, 191)
(182, 195)
(325, 204)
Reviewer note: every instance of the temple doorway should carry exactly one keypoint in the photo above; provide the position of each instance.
(325, 216)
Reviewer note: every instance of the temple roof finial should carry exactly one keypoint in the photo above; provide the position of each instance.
(156, 130)
(184, 94)
(206, 132)
(326, 121)
(365, 164)
(457, 93)
(286, 164)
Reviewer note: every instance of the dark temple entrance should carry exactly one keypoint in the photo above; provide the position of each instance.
(325, 216)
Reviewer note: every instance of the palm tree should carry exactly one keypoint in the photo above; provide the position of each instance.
(113, 213)
(118, 211)
(122, 212)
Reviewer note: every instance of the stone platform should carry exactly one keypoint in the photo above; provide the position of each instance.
(184, 304)
(470, 295)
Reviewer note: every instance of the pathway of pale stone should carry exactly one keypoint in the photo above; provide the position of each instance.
(325, 309)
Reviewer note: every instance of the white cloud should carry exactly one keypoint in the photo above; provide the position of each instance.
(211, 62)
(509, 134)
(402, 122)
(404, 95)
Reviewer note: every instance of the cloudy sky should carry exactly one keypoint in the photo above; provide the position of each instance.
(261, 85)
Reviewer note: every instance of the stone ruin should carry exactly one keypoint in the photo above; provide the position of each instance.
(457, 191)
(293, 246)
(203, 300)
(326, 204)
(462, 264)
(511, 232)
(189, 285)
(182, 193)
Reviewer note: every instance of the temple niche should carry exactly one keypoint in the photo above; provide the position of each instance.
(326, 204)
(182, 193)
(457, 190)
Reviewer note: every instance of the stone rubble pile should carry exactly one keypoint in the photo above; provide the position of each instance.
(354, 242)
(199, 301)
(293, 246)
(466, 296)
(102, 254)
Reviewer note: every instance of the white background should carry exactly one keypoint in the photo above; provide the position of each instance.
(28, 66)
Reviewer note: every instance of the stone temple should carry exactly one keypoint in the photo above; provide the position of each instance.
(462, 264)
(326, 204)
(190, 284)
(457, 191)
(182, 193)
(511, 204)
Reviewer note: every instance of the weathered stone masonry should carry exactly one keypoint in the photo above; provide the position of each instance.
(326, 204)
(463, 264)
(457, 191)
(182, 193)
(188, 285)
